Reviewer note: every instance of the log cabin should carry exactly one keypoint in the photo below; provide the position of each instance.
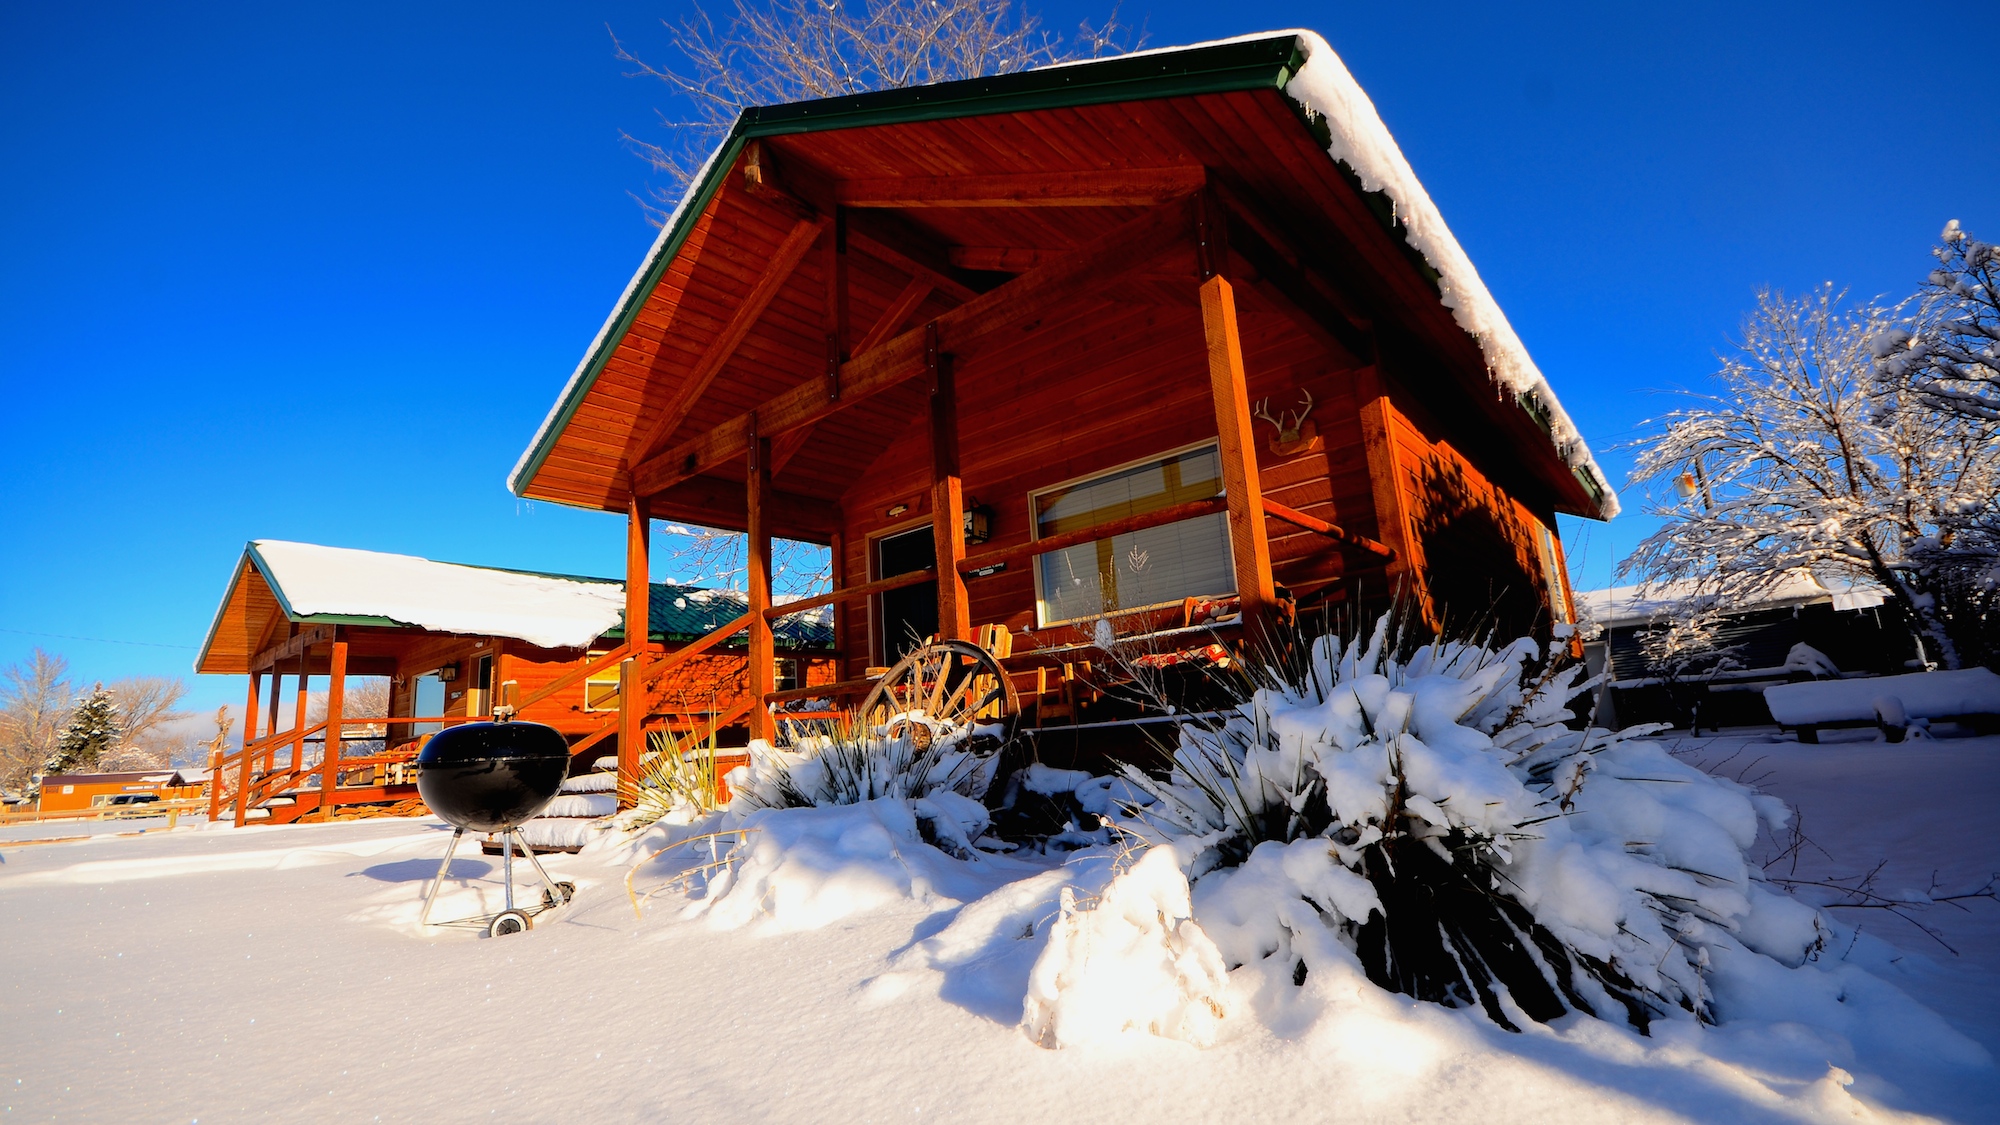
(456, 643)
(1125, 346)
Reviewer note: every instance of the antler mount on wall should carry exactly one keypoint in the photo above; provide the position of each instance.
(1295, 435)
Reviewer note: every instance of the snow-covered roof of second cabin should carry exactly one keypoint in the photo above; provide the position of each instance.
(1620, 606)
(313, 584)
(1276, 117)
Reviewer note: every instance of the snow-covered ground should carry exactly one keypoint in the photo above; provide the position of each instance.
(235, 975)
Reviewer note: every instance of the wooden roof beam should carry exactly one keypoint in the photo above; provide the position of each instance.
(1260, 241)
(786, 446)
(724, 504)
(802, 191)
(786, 258)
(1127, 187)
(1034, 294)
(897, 244)
(290, 648)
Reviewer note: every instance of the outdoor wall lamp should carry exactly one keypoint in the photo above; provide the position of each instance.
(978, 523)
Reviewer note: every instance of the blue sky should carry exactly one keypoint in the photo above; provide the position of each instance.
(317, 272)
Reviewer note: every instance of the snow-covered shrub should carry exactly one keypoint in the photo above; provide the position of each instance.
(846, 765)
(1440, 820)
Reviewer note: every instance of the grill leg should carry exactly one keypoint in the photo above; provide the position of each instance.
(507, 863)
(431, 896)
(555, 892)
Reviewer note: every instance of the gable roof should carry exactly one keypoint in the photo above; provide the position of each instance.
(1299, 65)
(313, 584)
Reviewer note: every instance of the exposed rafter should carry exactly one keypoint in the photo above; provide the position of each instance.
(1128, 187)
(1033, 294)
(786, 446)
(783, 261)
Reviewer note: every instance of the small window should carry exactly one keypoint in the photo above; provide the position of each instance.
(427, 702)
(600, 689)
(1141, 569)
(787, 676)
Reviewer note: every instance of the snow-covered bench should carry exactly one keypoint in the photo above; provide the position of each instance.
(1888, 702)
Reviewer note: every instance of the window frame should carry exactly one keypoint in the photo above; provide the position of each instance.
(600, 680)
(1035, 529)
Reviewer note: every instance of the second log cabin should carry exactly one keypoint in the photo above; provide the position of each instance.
(456, 643)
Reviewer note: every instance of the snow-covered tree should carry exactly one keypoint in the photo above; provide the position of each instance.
(35, 698)
(1948, 358)
(1950, 355)
(91, 733)
(1804, 460)
(769, 52)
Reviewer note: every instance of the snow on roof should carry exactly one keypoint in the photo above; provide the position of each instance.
(1358, 139)
(552, 611)
(1635, 605)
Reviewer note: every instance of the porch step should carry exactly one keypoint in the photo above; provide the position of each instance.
(577, 815)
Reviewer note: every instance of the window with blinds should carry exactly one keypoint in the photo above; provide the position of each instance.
(1153, 567)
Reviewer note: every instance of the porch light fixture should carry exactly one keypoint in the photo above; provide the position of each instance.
(448, 673)
(978, 523)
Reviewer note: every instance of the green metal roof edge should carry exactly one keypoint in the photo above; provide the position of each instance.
(1218, 68)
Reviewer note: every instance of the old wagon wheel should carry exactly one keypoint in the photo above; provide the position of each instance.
(941, 686)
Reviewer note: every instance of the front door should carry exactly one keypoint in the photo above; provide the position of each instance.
(909, 615)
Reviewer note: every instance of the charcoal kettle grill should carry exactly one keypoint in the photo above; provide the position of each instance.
(493, 777)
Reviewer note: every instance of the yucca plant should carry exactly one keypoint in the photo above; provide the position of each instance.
(1459, 835)
(676, 780)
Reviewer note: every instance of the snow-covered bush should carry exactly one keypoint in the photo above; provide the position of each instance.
(846, 765)
(1437, 819)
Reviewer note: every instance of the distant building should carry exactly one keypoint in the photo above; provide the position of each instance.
(1844, 622)
(64, 792)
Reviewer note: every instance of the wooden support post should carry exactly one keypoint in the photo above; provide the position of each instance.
(762, 670)
(249, 736)
(836, 558)
(299, 716)
(242, 790)
(1238, 450)
(336, 696)
(631, 730)
(947, 495)
(249, 732)
(638, 573)
(1392, 523)
(835, 321)
(638, 634)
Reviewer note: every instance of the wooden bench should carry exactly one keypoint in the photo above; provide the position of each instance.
(1889, 703)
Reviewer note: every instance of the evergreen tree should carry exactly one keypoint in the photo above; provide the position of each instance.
(92, 731)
